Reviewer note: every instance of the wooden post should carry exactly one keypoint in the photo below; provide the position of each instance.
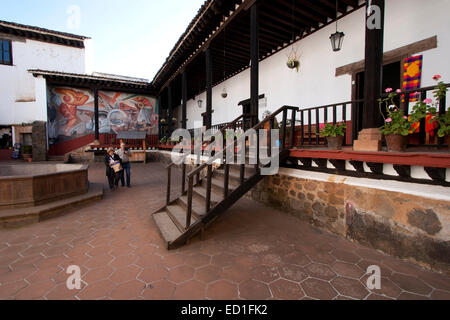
(292, 137)
(184, 98)
(208, 120)
(254, 54)
(170, 110)
(169, 178)
(373, 65)
(160, 131)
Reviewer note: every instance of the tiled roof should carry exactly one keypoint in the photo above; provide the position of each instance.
(103, 83)
(42, 34)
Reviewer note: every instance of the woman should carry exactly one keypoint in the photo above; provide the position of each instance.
(113, 160)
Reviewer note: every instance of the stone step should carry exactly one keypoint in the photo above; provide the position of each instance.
(178, 215)
(166, 227)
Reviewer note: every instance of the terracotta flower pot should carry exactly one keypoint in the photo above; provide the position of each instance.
(335, 143)
(396, 142)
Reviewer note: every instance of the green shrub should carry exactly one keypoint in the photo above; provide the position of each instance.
(331, 130)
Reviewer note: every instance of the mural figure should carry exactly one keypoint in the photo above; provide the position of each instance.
(68, 108)
(71, 113)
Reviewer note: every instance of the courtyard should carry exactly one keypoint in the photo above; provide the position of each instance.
(252, 252)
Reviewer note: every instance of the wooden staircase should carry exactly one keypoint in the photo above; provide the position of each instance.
(211, 192)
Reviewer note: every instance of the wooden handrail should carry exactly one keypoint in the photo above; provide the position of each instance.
(183, 161)
(256, 127)
(208, 164)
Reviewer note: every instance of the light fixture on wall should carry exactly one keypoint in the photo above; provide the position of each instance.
(200, 102)
(337, 38)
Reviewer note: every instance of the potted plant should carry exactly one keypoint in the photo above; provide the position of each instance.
(442, 119)
(293, 60)
(163, 141)
(28, 153)
(334, 135)
(397, 126)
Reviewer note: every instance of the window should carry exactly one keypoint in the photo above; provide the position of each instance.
(5, 52)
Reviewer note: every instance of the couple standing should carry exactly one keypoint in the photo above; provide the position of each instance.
(117, 164)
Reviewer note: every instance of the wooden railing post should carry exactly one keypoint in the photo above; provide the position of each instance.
(226, 181)
(169, 178)
(344, 119)
(442, 106)
(198, 165)
(317, 126)
(283, 130)
(302, 128)
(309, 127)
(208, 188)
(189, 204)
(292, 142)
(183, 182)
(269, 136)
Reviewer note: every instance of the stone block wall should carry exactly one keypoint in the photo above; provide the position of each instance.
(39, 138)
(381, 214)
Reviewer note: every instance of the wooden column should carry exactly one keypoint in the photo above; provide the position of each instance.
(160, 116)
(170, 110)
(96, 117)
(184, 100)
(254, 72)
(208, 120)
(373, 67)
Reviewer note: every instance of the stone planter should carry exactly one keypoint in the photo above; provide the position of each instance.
(335, 143)
(396, 142)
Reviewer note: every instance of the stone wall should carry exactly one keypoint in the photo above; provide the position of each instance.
(39, 139)
(380, 214)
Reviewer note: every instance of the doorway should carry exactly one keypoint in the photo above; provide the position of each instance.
(392, 78)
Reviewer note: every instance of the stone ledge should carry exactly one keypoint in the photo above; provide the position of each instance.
(432, 192)
(14, 218)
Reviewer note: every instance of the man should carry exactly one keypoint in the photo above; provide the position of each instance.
(125, 155)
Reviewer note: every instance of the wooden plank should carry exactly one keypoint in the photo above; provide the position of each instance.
(391, 56)
(438, 160)
(166, 227)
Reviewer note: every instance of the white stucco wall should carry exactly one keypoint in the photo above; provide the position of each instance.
(407, 21)
(23, 97)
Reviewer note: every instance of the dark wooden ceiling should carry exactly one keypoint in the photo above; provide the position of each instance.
(281, 22)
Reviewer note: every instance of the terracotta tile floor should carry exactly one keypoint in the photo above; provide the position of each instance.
(253, 252)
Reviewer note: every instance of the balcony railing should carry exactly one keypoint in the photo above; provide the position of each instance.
(312, 120)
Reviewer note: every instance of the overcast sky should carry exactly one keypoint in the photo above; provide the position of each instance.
(130, 37)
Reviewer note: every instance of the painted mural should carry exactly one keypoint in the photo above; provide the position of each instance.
(71, 113)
